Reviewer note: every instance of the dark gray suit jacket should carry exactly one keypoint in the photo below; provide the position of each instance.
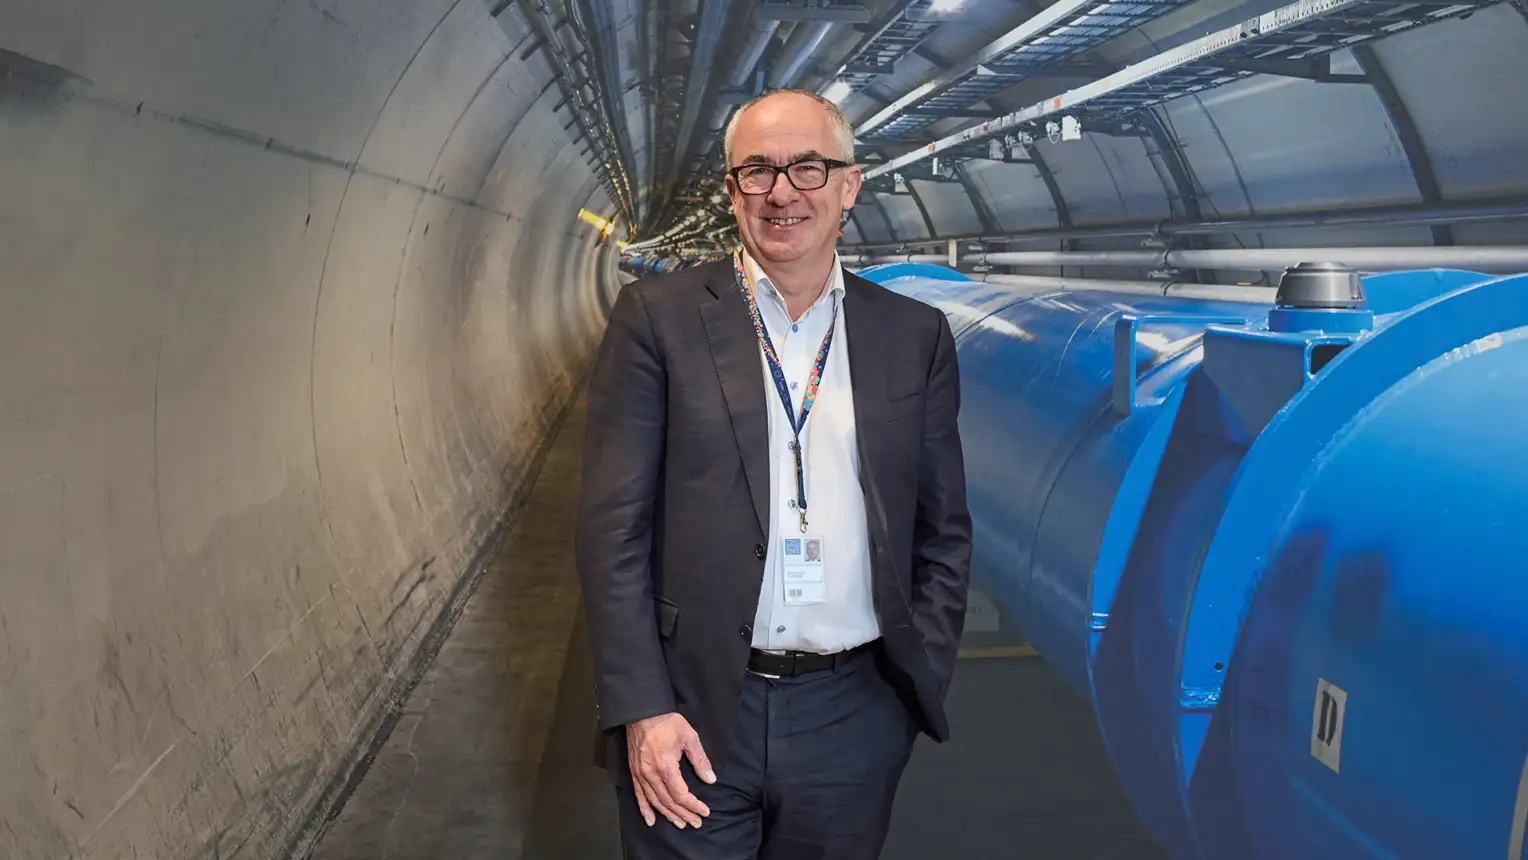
(673, 517)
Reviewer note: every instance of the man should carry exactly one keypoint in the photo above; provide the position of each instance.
(756, 699)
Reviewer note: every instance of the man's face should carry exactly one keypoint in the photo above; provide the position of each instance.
(778, 131)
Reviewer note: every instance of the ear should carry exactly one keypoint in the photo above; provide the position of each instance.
(853, 179)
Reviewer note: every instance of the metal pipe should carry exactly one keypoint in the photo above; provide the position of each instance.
(713, 19)
(655, 60)
(1176, 289)
(761, 31)
(748, 58)
(798, 48)
(1400, 216)
(1144, 259)
(605, 54)
(1501, 209)
(878, 259)
(1492, 259)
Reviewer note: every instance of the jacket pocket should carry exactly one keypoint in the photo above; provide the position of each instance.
(668, 616)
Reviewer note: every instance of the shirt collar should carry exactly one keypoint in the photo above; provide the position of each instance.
(765, 285)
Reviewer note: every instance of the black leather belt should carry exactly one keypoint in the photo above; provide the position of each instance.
(794, 663)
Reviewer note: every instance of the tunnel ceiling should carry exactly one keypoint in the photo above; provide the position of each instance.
(1005, 120)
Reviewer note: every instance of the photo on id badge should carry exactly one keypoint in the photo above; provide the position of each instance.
(804, 581)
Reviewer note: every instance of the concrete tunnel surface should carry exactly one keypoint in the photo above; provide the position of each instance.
(294, 291)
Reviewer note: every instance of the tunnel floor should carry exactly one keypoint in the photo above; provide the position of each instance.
(490, 757)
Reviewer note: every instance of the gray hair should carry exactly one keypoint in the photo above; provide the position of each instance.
(843, 132)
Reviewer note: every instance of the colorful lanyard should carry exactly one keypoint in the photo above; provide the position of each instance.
(773, 360)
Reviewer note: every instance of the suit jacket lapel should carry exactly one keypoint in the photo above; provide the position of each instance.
(740, 369)
(867, 367)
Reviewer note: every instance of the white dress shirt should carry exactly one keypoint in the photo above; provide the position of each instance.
(835, 503)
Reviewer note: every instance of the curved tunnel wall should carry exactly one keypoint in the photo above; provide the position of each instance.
(293, 291)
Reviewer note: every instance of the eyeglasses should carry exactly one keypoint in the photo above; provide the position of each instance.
(807, 174)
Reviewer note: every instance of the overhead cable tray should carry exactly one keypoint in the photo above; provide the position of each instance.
(900, 37)
(1287, 39)
(1060, 32)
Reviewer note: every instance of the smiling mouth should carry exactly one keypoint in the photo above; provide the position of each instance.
(784, 222)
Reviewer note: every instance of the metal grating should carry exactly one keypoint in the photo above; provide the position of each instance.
(1078, 28)
(1289, 37)
(905, 33)
(1312, 39)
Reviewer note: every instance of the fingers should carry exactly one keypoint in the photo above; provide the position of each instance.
(655, 752)
(669, 795)
(686, 804)
(658, 796)
(650, 786)
(698, 759)
(661, 787)
(642, 805)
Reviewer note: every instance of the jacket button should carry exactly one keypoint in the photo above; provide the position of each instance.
(758, 550)
(745, 631)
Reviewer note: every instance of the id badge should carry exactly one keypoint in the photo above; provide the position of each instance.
(805, 582)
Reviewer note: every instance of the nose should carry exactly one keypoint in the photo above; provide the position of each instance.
(783, 191)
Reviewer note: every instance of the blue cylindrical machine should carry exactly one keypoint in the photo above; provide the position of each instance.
(1278, 547)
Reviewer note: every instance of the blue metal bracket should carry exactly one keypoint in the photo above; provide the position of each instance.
(1124, 350)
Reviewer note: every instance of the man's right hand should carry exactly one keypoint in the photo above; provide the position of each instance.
(654, 747)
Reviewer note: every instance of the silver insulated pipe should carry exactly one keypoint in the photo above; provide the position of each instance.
(798, 48)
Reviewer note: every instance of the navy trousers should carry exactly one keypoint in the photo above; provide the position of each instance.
(813, 771)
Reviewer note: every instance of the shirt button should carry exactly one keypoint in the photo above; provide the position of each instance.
(745, 631)
(795, 328)
(758, 550)
(780, 629)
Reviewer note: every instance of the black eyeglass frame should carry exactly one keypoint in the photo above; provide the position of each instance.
(830, 163)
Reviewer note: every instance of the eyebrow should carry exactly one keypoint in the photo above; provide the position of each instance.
(759, 159)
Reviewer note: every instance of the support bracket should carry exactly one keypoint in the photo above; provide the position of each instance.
(1125, 327)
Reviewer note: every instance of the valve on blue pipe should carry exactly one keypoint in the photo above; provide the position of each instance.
(1277, 547)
